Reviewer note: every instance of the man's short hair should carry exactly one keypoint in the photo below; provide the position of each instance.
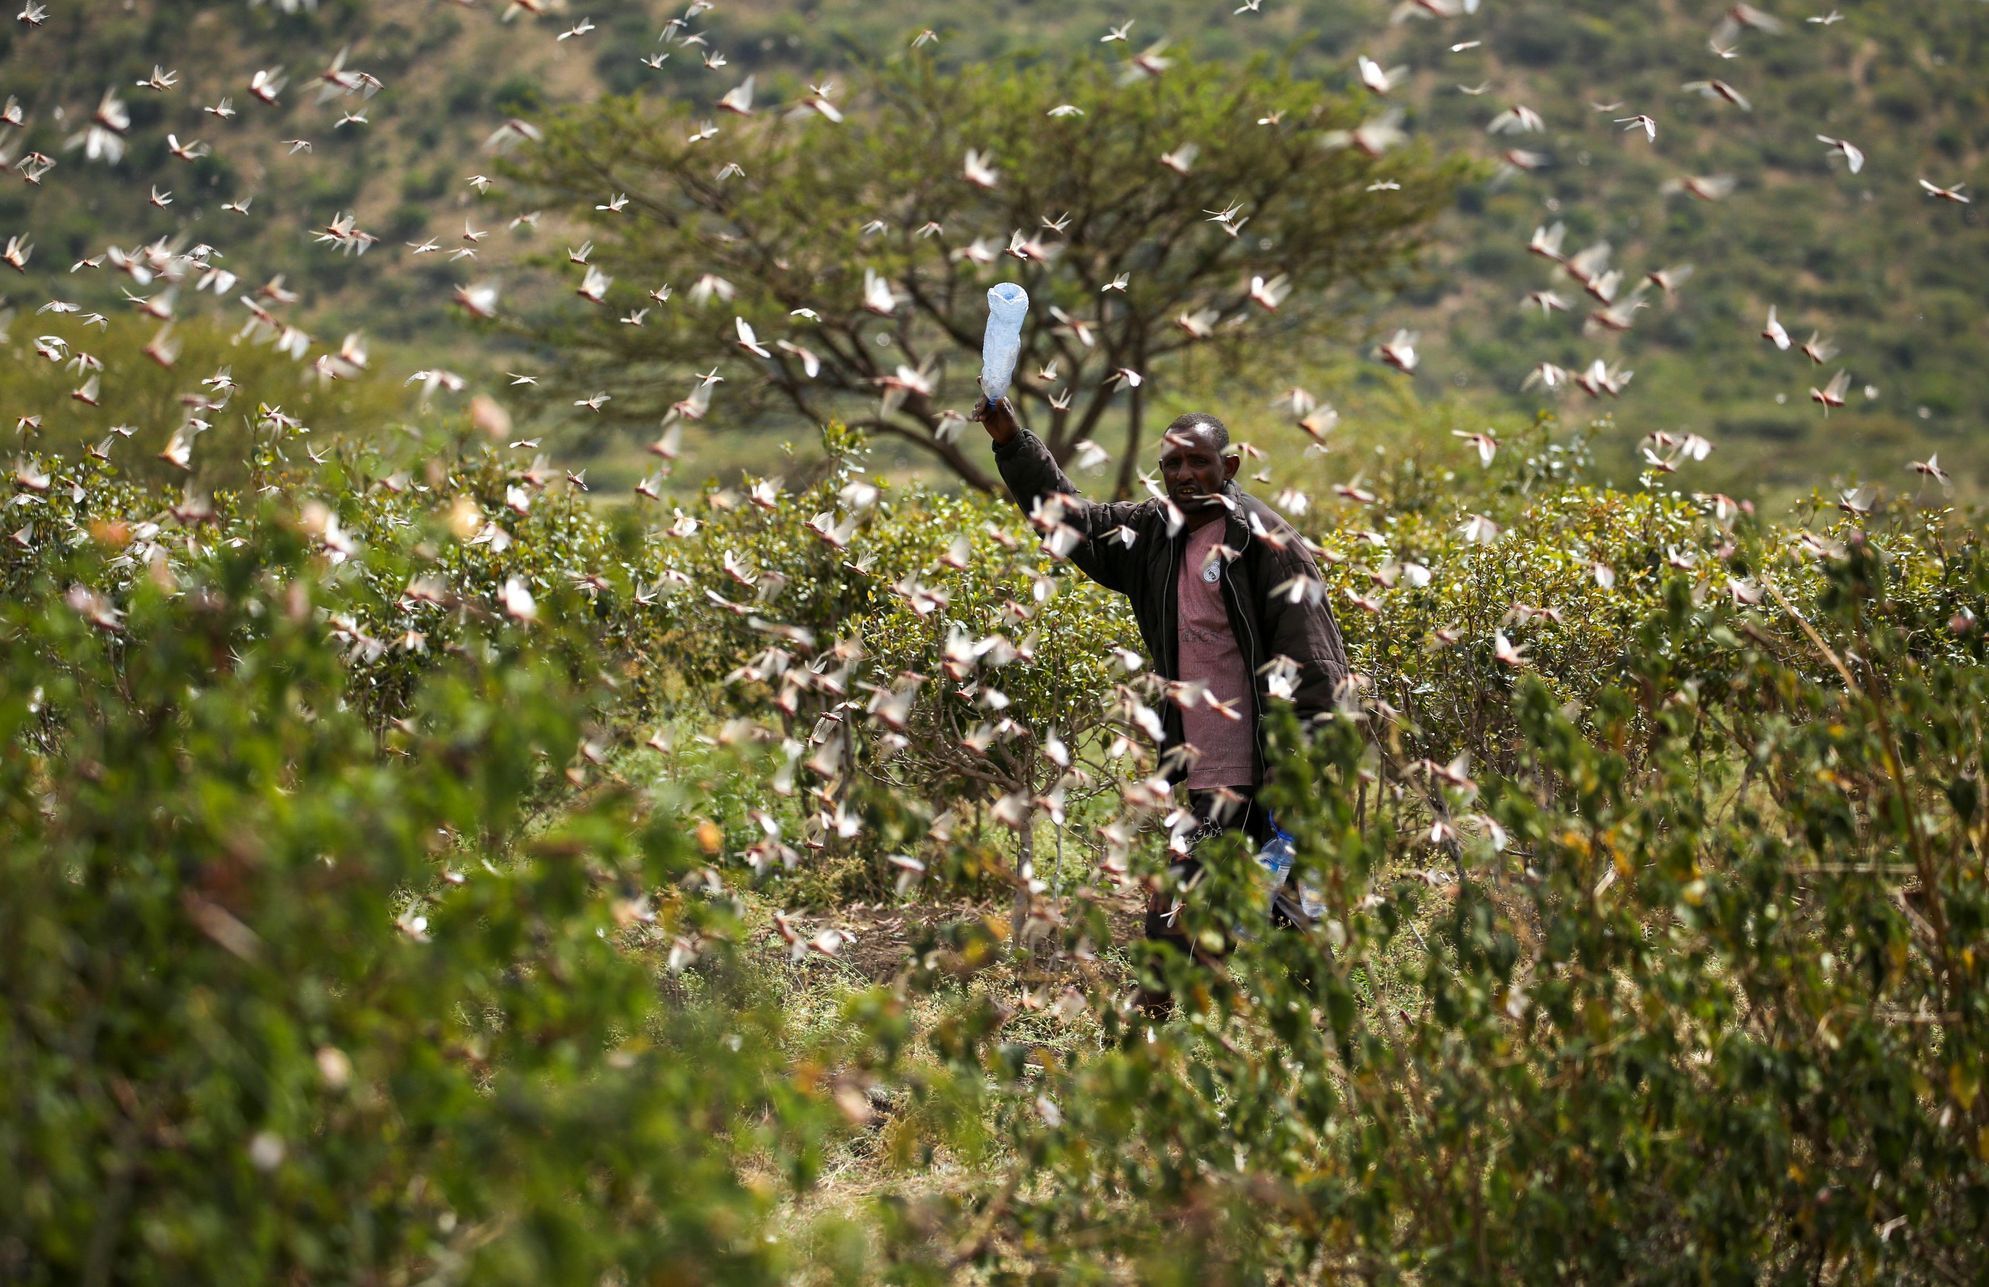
(1217, 431)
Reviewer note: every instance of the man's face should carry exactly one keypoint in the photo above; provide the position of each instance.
(1193, 471)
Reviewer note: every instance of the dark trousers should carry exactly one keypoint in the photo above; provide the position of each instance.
(1249, 817)
(1164, 931)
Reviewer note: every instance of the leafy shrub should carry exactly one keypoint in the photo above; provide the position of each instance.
(346, 939)
(1718, 1015)
(146, 401)
(286, 999)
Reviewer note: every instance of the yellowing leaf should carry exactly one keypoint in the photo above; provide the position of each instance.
(1965, 1081)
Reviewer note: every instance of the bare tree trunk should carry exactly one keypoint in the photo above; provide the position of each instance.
(1025, 873)
(1129, 463)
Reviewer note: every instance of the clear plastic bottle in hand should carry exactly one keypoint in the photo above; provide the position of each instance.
(1001, 343)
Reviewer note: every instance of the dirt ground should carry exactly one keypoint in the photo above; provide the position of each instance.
(882, 935)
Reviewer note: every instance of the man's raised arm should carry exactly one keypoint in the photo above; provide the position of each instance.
(1025, 463)
(1031, 472)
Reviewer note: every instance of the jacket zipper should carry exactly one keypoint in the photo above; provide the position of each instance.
(1171, 596)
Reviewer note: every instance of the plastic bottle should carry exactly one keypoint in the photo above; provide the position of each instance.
(1276, 858)
(1001, 343)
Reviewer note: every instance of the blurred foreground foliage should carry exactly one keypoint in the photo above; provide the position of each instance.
(393, 853)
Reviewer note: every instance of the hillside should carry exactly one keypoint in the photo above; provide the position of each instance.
(1890, 276)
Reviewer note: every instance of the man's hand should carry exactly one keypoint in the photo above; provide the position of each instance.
(999, 417)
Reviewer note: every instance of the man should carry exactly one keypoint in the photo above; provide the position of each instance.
(1228, 600)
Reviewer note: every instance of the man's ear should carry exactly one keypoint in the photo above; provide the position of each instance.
(1229, 464)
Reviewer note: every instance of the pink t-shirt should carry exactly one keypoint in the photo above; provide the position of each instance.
(1209, 653)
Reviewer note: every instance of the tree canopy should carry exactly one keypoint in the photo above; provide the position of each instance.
(1139, 214)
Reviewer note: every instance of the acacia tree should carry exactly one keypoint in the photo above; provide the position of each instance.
(1106, 201)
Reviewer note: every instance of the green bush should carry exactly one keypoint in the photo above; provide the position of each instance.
(1714, 1014)
(147, 402)
(352, 932)
(288, 998)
